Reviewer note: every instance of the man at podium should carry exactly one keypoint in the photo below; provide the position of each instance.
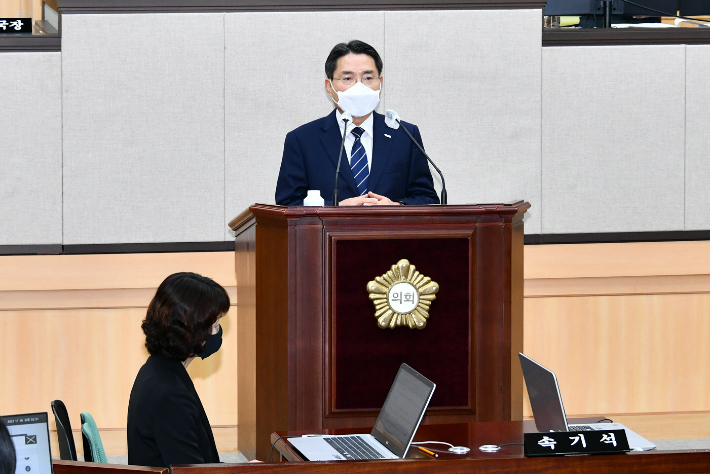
(380, 166)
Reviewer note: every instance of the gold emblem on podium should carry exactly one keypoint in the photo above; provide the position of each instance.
(402, 297)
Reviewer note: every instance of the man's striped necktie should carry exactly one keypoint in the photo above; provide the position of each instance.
(358, 162)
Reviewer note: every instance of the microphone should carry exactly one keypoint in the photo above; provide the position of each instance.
(392, 121)
(346, 117)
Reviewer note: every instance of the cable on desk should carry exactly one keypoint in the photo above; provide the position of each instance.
(434, 442)
(452, 448)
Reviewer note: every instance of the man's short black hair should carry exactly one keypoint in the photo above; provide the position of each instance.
(353, 47)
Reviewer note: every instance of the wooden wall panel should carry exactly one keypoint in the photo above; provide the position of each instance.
(88, 359)
(118, 271)
(624, 327)
(614, 260)
(70, 330)
(624, 354)
(13, 8)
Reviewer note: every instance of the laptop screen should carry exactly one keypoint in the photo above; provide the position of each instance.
(30, 435)
(403, 410)
(544, 394)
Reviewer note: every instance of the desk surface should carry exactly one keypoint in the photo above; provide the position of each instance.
(80, 467)
(471, 435)
(509, 458)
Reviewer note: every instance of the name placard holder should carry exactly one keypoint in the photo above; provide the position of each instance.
(15, 25)
(560, 443)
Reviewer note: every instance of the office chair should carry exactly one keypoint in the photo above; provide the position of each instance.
(67, 448)
(93, 447)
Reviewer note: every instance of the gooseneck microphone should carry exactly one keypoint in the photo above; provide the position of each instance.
(392, 121)
(346, 117)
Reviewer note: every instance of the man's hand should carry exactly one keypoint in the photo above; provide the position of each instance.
(359, 201)
(382, 200)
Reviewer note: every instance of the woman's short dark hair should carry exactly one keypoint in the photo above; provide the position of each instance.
(353, 47)
(8, 458)
(180, 316)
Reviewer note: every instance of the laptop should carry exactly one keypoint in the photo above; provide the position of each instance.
(30, 435)
(394, 429)
(549, 413)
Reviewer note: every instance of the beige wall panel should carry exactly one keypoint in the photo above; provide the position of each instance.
(656, 285)
(274, 82)
(612, 143)
(697, 141)
(668, 425)
(31, 151)
(641, 353)
(472, 83)
(630, 354)
(617, 260)
(114, 440)
(245, 262)
(89, 360)
(143, 118)
(16, 8)
(102, 271)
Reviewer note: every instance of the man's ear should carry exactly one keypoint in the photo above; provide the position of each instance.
(329, 89)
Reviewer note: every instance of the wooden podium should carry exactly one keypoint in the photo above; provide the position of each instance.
(311, 354)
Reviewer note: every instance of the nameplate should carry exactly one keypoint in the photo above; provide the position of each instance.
(576, 442)
(15, 25)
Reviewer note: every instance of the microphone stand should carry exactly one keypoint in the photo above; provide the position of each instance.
(336, 201)
(441, 175)
(607, 13)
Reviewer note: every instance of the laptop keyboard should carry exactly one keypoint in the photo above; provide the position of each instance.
(580, 428)
(353, 447)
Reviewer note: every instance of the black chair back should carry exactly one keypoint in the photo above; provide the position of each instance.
(88, 454)
(67, 448)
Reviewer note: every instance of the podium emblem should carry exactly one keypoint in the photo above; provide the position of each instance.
(402, 297)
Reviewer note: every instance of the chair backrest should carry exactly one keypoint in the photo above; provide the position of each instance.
(93, 447)
(67, 448)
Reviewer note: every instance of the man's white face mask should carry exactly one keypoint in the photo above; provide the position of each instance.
(359, 100)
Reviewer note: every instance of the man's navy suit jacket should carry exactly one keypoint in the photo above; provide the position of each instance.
(399, 170)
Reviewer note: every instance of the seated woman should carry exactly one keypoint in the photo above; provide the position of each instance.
(166, 421)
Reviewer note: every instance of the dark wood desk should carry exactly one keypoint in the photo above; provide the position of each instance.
(79, 467)
(508, 459)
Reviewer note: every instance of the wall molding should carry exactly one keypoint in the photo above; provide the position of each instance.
(108, 298)
(617, 286)
(89, 249)
(158, 247)
(617, 237)
(27, 43)
(623, 36)
(228, 245)
(191, 6)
